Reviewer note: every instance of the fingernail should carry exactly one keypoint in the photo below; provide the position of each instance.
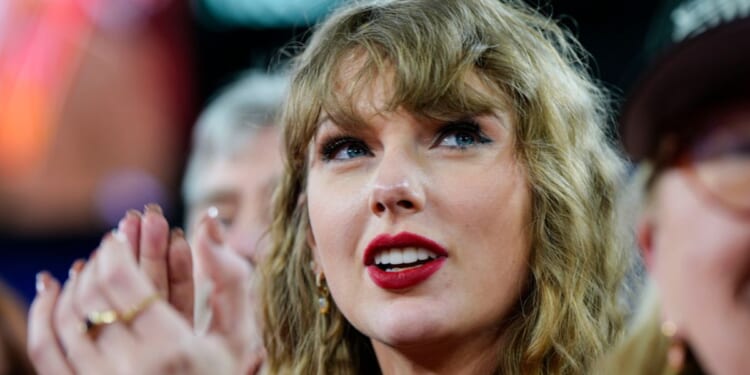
(176, 233)
(132, 213)
(76, 268)
(120, 236)
(42, 282)
(213, 212)
(153, 207)
(120, 225)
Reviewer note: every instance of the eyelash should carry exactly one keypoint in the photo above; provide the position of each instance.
(469, 126)
(332, 146)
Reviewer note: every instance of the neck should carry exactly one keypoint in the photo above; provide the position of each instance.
(478, 354)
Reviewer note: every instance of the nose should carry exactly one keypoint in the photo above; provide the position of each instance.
(397, 188)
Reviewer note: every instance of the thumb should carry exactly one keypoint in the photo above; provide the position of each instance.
(225, 287)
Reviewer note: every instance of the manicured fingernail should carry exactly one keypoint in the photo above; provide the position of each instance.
(213, 212)
(42, 282)
(120, 225)
(132, 213)
(176, 233)
(119, 236)
(76, 268)
(153, 207)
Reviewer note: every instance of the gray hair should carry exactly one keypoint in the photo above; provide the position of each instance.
(252, 102)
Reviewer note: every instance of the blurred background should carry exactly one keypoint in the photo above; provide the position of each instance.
(98, 98)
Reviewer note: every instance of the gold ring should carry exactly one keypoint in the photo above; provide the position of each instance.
(133, 313)
(95, 320)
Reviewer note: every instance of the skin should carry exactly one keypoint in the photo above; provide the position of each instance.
(697, 252)
(160, 339)
(240, 187)
(473, 200)
(151, 259)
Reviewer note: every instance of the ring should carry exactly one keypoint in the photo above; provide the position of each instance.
(95, 320)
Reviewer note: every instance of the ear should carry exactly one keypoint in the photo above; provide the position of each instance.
(645, 233)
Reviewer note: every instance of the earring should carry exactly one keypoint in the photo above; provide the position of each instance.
(323, 304)
(676, 351)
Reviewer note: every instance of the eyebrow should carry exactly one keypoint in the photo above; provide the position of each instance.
(221, 196)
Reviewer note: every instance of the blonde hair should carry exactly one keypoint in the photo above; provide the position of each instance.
(646, 355)
(570, 312)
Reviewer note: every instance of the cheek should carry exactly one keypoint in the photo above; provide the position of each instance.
(494, 203)
(701, 254)
(335, 218)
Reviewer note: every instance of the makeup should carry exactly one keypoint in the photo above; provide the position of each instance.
(403, 260)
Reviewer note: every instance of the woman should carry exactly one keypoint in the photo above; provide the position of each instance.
(447, 202)
(695, 181)
(446, 206)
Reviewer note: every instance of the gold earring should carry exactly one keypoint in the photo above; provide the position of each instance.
(323, 303)
(676, 351)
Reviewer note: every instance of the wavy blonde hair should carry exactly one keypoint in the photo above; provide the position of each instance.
(570, 312)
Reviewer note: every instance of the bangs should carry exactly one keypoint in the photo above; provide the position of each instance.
(448, 83)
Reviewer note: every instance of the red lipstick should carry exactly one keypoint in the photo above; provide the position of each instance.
(411, 275)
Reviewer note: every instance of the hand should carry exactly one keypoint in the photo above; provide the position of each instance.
(229, 307)
(156, 341)
(163, 256)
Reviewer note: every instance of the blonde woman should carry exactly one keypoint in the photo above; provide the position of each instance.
(688, 124)
(447, 202)
(446, 207)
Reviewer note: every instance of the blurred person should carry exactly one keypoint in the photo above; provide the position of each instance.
(13, 358)
(688, 123)
(233, 168)
(464, 136)
(235, 162)
(231, 173)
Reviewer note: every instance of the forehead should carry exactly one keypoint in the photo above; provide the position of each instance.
(251, 167)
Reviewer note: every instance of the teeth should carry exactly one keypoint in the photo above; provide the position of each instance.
(403, 256)
(397, 256)
(410, 255)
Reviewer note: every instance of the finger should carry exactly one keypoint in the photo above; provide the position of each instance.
(130, 225)
(113, 340)
(233, 313)
(181, 285)
(43, 346)
(81, 352)
(128, 287)
(154, 248)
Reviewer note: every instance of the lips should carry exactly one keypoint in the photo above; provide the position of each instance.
(403, 260)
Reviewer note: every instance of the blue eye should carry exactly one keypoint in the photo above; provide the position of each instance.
(344, 148)
(461, 135)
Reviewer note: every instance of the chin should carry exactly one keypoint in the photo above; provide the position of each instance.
(409, 325)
